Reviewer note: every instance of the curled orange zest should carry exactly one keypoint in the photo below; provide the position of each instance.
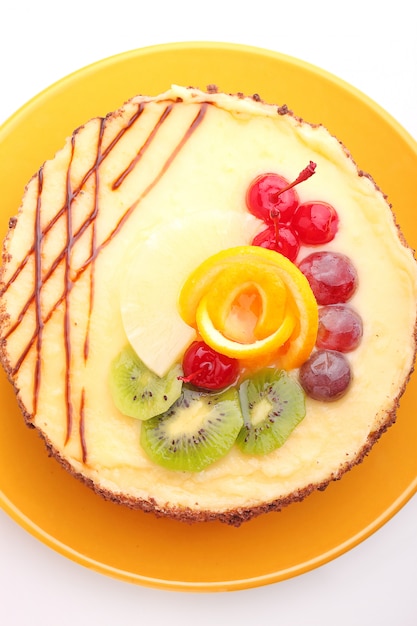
(248, 302)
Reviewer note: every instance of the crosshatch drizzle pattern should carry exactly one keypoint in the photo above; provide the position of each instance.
(42, 274)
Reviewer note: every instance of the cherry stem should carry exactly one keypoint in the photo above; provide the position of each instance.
(302, 176)
(193, 375)
(275, 215)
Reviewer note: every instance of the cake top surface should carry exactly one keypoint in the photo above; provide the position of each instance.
(112, 228)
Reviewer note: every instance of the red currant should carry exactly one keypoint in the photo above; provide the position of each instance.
(332, 276)
(263, 196)
(315, 222)
(340, 328)
(326, 375)
(285, 242)
(205, 368)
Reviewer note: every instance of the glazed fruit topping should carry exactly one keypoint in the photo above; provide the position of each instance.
(196, 431)
(248, 302)
(332, 276)
(289, 223)
(251, 305)
(326, 375)
(280, 238)
(189, 428)
(205, 368)
(272, 404)
(269, 193)
(340, 328)
(315, 222)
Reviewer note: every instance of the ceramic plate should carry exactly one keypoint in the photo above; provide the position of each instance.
(137, 547)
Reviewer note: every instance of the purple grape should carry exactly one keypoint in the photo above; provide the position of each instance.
(340, 328)
(326, 375)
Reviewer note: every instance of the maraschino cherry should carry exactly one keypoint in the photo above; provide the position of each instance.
(206, 368)
(269, 193)
(280, 238)
(272, 198)
(289, 223)
(315, 222)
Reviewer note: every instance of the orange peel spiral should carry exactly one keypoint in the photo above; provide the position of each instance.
(249, 302)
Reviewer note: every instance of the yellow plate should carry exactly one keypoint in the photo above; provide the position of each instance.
(135, 546)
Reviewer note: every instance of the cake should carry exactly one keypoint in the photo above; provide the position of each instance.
(207, 310)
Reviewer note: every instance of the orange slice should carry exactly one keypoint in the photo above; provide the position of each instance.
(247, 297)
(285, 308)
(220, 342)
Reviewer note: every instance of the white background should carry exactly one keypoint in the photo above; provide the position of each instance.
(370, 45)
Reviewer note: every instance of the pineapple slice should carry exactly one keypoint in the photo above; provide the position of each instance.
(149, 305)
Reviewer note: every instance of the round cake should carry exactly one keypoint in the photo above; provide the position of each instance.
(207, 310)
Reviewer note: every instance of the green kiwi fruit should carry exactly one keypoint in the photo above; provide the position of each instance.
(137, 391)
(273, 404)
(196, 431)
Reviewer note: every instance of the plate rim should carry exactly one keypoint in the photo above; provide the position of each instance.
(19, 517)
(205, 587)
(212, 45)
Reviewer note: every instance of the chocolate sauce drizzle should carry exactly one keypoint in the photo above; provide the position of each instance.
(38, 286)
(64, 258)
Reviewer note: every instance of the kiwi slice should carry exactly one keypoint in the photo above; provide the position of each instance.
(197, 430)
(273, 404)
(137, 391)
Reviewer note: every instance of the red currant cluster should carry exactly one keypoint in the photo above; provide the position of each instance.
(289, 223)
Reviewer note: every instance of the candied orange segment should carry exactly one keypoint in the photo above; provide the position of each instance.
(248, 302)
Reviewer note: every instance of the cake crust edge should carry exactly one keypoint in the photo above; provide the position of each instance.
(236, 516)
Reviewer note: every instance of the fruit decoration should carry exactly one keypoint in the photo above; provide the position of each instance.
(195, 432)
(207, 369)
(285, 241)
(340, 328)
(315, 223)
(273, 404)
(248, 305)
(289, 223)
(214, 299)
(326, 375)
(332, 276)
